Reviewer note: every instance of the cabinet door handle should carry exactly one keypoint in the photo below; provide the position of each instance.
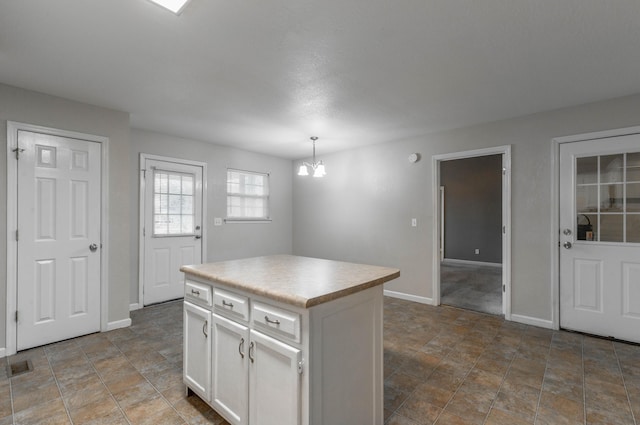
(204, 328)
(251, 345)
(274, 322)
(194, 292)
(240, 348)
(226, 304)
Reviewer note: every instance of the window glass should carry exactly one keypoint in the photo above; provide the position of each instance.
(173, 209)
(247, 195)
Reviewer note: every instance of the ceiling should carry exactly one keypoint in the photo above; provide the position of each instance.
(264, 75)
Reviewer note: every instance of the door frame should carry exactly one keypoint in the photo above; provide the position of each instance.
(505, 151)
(141, 217)
(12, 223)
(555, 207)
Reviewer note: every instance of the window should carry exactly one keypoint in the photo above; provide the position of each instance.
(247, 195)
(173, 209)
(608, 198)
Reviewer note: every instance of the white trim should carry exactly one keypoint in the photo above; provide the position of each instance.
(2, 353)
(12, 223)
(505, 151)
(408, 297)
(118, 324)
(555, 207)
(134, 306)
(141, 211)
(533, 321)
(470, 262)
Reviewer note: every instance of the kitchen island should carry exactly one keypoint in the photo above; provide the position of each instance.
(286, 340)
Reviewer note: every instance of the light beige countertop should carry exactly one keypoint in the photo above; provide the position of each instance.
(299, 281)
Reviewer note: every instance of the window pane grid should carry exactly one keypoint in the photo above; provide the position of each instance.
(607, 198)
(247, 195)
(173, 203)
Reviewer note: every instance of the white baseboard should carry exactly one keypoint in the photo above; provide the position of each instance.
(533, 321)
(408, 297)
(124, 323)
(134, 306)
(470, 262)
(2, 352)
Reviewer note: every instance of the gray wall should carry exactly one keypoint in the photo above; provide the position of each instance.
(49, 111)
(361, 210)
(229, 241)
(473, 208)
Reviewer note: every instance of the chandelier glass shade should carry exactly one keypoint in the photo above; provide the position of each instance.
(316, 167)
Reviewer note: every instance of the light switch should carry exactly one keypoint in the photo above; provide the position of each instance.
(414, 222)
(217, 221)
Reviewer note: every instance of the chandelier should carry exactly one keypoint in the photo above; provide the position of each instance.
(316, 167)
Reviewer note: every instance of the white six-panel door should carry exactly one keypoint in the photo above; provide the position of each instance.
(59, 205)
(172, 226)
(600, 237)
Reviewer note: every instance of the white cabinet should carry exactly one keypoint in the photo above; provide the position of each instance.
(274, 381)
(230, 374)
(267, 362)
(197, 350)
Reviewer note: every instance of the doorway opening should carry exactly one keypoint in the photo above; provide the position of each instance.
(472, 210)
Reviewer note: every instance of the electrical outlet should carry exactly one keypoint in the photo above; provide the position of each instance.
(217, 221)
(477, 251)
(414, 222)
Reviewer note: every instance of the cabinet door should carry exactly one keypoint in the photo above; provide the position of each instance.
(274, 382)
(230, 375)
(197, 350)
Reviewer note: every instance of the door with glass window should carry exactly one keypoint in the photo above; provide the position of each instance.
(172, 226)
(600, 237)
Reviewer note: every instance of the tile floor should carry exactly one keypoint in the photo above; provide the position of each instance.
(471, 286)
(442, 365)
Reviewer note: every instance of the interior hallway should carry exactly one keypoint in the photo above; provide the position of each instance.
(442, 365)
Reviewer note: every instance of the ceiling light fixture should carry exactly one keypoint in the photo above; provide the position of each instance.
(317, 167)
(176, 6)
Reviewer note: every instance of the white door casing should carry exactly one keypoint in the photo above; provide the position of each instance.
(599, 181)
(53, 276)
(172, 217)
(505, 151)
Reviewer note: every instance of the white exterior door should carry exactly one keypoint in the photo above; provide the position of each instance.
(600, 237)
(59, 261)
(172, 227)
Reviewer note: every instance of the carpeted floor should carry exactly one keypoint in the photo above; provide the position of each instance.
(472, 287)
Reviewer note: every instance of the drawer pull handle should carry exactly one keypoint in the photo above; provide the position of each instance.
(251, 345)
(194, 292)
(226, 304)
(240, 347)
(204, 329)
(274, 322)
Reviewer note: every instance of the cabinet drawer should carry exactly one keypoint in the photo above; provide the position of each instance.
(199, 293)
(276, 320)
(231, 305)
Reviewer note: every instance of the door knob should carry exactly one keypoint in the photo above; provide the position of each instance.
(567, 232)
(93, 247)
(567, 245)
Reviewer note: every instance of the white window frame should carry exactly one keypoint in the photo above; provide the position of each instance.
(241, 219)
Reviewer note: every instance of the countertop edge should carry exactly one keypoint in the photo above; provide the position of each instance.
(292, 299)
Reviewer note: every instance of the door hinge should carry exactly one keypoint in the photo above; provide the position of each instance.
(18, 151)
(144, 232)
(504, 171)
(300, 368)
(17, 235)
(504, 229)
(16, 316)
(504, 288)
